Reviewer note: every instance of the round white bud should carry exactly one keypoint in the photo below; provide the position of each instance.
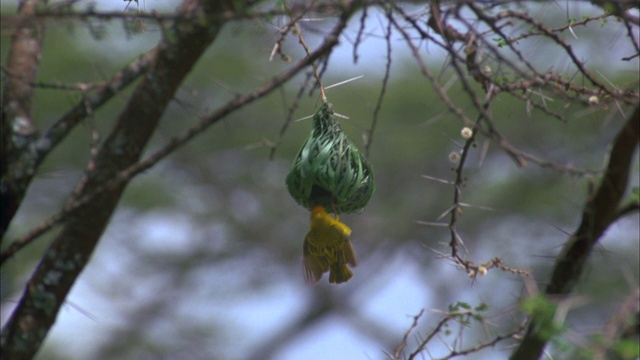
(466, 132)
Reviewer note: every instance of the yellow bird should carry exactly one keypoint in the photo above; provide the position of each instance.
(327, 248)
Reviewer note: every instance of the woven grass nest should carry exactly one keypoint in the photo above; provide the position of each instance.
(329, 170)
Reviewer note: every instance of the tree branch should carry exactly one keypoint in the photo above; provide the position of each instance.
(600, 211)
(176, 142)
(18, 126)
(624, 324)
(70, 251)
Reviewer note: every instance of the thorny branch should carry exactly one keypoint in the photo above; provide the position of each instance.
(469, 266)
(599, 213)
(57, 12)
(18, 128)
(397, 353)
(530, 78)
(135, 169)
(472, 55)
(462, 314)
(383, 88)
(112, 167)
(293, 27)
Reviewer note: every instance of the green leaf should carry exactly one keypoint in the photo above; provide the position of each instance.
(464, 305)
(627, 349)
(482, 307)
(542, 310)
(635, 194)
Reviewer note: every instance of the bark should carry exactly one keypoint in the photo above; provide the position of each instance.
(18, 125)
(600, 211)
(173, 58)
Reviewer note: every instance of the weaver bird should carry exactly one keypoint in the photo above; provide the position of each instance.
(327, 248)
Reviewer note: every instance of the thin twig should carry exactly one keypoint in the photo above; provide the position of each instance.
(383, 89)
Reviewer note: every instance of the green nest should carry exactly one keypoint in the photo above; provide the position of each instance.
(329, 170)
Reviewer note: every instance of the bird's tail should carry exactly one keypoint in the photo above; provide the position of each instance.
(339, 272)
